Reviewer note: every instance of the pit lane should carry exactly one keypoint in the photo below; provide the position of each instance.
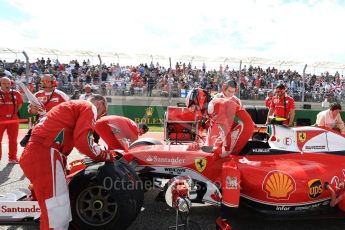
(157, 215)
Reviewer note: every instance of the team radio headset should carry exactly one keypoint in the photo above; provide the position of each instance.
(53, 81)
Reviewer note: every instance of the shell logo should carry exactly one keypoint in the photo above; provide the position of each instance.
(278, 185)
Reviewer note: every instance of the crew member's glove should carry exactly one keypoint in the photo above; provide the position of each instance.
(105, 155)
(193, 147)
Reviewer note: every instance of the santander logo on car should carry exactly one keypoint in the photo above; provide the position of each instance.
(6, 209)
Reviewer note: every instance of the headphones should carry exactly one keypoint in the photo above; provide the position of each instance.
(52, 78)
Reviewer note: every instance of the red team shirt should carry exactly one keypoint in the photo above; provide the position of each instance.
(117, 131)
(49, 100)
(268, 101)
(7, 110)
(281, 108)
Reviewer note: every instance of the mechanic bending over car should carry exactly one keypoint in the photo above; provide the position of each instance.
(331, 118)
(243, 127)
(118, 132)
(222, 136)
(67, 125)
(282, 106)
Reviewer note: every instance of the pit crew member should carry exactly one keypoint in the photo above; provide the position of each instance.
(331, 118)
(229, 88)
(49, 95)
(67, 125)
(243, 126)
(268, 99)
(118, 132)
(197, 101)
(10, 103)
(282, 106)
(223, 111)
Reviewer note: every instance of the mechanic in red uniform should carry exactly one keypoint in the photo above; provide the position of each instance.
(222, 111)
(282, 106)
(49, 95)
(67, 125)
(236, 135)
(243, 127)
(118, 132)
(10, 103)
(229, 88)
(197, 101)
(268, 99)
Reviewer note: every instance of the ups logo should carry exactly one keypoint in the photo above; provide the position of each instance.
(315, 188)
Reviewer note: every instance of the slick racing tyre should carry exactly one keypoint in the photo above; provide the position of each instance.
(105, 196)
(145, 141)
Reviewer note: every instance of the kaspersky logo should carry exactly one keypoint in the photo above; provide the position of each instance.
(278, 185)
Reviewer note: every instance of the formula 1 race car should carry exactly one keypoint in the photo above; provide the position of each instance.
(281, 172)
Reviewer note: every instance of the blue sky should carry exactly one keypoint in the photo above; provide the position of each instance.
(308, 30)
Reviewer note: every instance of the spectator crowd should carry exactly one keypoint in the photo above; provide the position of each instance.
(156, 80)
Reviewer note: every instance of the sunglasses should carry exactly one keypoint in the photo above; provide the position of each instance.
(45, 81)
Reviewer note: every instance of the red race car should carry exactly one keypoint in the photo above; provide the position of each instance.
(281, 171)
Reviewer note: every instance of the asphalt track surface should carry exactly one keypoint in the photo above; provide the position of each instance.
(156, 215)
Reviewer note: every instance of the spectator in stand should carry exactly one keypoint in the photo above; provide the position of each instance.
(282, 106)
(331, 118)
(75, 95)
(87, 94)
(268, 99)
(10, 103)
(150, 85)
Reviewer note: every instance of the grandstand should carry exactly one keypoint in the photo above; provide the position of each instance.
(125, 74)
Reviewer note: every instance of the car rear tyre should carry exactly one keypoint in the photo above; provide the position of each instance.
(105, 197)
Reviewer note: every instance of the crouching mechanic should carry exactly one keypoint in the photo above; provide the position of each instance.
(118, 132)
(67, 125)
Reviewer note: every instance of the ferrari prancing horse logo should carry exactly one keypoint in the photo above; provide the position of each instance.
(302, 136)
(200, 164)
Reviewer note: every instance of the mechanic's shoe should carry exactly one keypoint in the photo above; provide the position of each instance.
(13, 161)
